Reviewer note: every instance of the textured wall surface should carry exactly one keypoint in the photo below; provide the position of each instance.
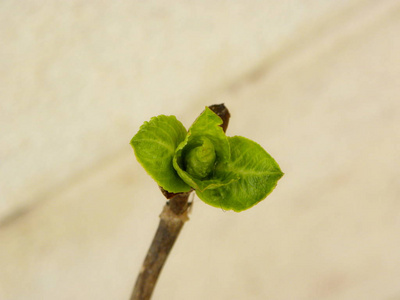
(316, 83)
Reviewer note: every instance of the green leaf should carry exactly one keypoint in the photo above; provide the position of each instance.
(258, 172)
(154, 147)
(200, 160)
(205, 146)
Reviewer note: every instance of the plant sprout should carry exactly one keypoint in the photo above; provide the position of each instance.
(232, 173)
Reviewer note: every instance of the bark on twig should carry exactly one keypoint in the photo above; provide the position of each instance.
(172, 219)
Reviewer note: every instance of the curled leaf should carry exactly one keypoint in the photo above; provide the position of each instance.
(200, 160)
(204, 135)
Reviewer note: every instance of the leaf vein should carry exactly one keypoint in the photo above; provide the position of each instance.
(165, 145)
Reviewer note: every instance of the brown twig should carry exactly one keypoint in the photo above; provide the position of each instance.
(172, 219)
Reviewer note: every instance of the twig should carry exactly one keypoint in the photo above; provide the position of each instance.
(172, 219)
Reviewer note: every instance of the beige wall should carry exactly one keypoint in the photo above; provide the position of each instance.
(314, 82)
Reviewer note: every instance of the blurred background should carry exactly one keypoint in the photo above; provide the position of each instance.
(316, 83)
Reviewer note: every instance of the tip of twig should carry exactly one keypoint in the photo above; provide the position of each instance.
(222, 111)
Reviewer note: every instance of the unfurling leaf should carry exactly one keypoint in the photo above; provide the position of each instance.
(258, 173)
(200, 160)
(206, 129)
(155, 146)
